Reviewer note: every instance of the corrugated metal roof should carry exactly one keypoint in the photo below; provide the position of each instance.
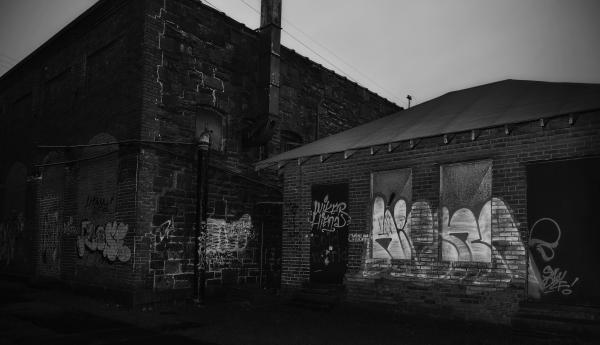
(484, 106)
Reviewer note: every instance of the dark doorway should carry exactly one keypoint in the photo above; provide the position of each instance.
(268, 225)
(329, 220)
(564, 225)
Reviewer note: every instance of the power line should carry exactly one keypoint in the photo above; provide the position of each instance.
(8, 62)
(302, 43)
(390, 93)
(321, 56)
(250, 6)
(6, 65)
(10, 58)
(211, 5)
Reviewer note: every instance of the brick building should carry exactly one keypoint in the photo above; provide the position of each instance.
(479, 204)
(98, 155)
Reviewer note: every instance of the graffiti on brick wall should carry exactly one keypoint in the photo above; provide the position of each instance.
(562, 202)
(10, 230)
(163, 230)
(223, 243)
(544, 239)
(466, 224)
(390, 228)
(327, 216)
(507, 253)
(50, 238)
(223, 236)
(329, 219)
(358, 237)
(99, 204)
(109, 239)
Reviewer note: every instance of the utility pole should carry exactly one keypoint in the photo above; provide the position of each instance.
(203, 155)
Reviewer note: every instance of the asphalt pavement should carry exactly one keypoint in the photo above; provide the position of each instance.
(51, 315)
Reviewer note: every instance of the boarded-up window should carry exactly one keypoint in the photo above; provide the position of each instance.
(391, 203)
(466, 191)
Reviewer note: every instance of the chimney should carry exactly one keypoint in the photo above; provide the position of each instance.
(269, 61)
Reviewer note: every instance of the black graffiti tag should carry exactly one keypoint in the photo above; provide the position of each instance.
(328, 216)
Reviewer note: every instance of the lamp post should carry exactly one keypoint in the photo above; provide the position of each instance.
(203, 140)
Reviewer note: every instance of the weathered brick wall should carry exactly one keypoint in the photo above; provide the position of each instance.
(427, 283)
(82, 86)
(316, 102)
(195, 57)
(199, 61)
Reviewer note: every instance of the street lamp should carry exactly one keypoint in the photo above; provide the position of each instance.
(203, 141)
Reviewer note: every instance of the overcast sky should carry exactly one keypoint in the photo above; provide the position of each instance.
(395, 47)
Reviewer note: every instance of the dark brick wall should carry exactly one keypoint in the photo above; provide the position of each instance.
(144, 70)
(487, 291)
(82, 86)
(316, 102)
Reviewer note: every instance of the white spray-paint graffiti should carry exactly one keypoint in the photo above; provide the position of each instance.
(165, 229)
(465, 237)
(328, 216)
(222, 241)
(223, 236)
(550, 279)
(465, 195)
(391, 230)
(358, 237)
(423, 221)
(108, 239)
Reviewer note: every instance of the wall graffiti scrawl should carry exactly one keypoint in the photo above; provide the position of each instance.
(233, 236)
(225, 242)
(107, 239)
(392, 198)
(466, 190)
(329, 219)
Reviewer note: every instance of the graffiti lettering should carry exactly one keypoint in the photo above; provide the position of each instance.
(217, 260)
(391, 230)
(98, 204)
(165, 229)
(422, 220)
(545, 248)
(551, 279)
(223, 236)
(109, 239)
(327, 216)
(357, 238)
(554, 281)
(465, 238)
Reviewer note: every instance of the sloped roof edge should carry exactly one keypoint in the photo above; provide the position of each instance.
(490, 105)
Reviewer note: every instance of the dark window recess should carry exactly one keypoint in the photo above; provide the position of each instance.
(290, 140)
(212, 121)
